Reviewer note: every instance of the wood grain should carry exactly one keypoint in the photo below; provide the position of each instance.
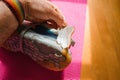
(101, 53)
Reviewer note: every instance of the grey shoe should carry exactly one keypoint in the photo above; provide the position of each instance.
(40, 44)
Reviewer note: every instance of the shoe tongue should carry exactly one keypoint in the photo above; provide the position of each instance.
(64, 37)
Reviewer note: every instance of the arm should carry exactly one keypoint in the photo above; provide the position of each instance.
(8, 22)
(36, 11)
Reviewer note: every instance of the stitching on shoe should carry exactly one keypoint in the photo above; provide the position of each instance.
(21, 38)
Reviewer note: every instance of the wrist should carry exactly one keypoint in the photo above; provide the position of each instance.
(16, 9)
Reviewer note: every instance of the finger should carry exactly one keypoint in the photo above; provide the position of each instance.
(52, 24)
(56, 15)
(58, 18)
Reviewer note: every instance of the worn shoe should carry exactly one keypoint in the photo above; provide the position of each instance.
(41, 45)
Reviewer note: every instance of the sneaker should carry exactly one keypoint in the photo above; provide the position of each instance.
(40, 43)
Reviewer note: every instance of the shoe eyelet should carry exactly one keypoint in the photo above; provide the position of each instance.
(58, 55)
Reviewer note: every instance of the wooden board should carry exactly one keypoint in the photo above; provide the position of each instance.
(101, 53)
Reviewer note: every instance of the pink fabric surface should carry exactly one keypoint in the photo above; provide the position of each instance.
(16, 66)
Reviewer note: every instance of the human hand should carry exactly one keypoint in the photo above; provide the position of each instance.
(42, 10)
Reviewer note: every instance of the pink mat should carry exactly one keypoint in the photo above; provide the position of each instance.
(16, 66)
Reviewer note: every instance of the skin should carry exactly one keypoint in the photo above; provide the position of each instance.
(36, 11)
(42, 10)
(8, 23)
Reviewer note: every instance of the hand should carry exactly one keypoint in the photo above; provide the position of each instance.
(42, 10)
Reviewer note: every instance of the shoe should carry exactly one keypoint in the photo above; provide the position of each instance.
(41, 45)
